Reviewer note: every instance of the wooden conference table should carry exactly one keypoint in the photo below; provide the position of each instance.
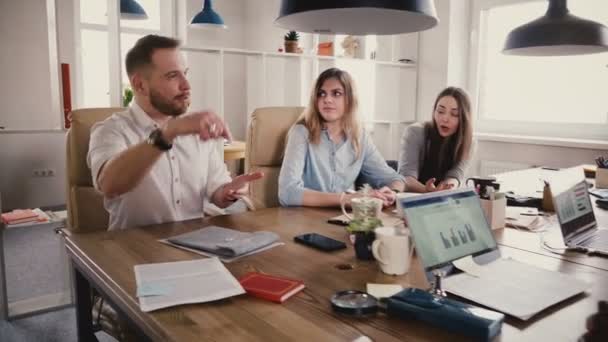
(105, 261)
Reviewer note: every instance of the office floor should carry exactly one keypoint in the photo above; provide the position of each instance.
(35, 267)
(56, 326)
(34, 263)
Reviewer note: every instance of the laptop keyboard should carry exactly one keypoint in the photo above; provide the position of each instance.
(597, 241)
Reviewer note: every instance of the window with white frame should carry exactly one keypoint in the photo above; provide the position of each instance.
(543, 96)
(95, 39)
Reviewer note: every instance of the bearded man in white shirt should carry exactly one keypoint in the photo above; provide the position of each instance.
(154, 162)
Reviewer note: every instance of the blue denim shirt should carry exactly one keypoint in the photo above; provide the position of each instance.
(328, 167)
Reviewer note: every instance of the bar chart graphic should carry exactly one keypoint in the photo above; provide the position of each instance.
(459, 234)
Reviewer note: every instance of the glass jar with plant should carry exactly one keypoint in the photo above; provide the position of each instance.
(363, 221)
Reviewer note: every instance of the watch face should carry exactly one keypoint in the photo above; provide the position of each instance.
(156, 139)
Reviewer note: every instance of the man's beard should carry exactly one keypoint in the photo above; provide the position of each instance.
(165, 106)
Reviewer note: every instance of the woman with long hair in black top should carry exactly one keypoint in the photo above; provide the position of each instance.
(436, 154)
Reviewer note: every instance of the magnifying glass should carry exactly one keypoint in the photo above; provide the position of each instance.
(354, 303)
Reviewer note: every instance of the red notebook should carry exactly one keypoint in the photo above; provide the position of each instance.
(273, 288)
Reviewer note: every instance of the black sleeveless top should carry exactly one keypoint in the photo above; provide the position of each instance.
(437, 160)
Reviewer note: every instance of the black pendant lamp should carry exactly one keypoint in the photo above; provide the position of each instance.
(357, 17)
(557, 33)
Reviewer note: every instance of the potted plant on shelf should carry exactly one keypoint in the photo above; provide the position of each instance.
(291, 41)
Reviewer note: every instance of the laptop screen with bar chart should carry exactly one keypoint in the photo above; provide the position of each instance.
(574, 210)
(447, 225)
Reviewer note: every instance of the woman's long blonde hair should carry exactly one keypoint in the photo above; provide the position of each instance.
(311, 117)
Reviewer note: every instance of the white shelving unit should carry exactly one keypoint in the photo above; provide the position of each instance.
(236, 81)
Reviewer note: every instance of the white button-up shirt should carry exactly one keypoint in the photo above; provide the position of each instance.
(176, 186)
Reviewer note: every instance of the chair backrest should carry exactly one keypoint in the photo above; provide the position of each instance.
(361, 179)
(85, 205)
(266, 139)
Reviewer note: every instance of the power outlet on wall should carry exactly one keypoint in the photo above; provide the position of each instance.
(46, 172)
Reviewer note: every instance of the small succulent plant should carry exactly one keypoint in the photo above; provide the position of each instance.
(292, 36)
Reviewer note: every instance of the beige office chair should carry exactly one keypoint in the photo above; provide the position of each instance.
(85, 205)
(266, 139)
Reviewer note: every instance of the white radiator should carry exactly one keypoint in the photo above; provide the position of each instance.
(488, 167)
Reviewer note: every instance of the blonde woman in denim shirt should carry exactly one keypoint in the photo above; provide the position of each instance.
(327, 149)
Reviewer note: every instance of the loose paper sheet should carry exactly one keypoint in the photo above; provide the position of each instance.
(468, 265)
(383, 290)
(183, 282)
(514, 288)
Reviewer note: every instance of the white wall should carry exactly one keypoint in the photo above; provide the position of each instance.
(232, 11)
(458, 52)
(21, 155)
(27, 96)
(234, 14)
(30, 103)
(433, 61)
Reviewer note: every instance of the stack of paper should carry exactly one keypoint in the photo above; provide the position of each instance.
(183, 282)
(523, 217)
(33, 217)
(19, 216)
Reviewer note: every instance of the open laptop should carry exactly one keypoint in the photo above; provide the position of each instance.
(449, 226)
(577, 221)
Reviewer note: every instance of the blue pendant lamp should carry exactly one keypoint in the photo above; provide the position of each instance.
(130, 9)
(557, 33)
(208, 18)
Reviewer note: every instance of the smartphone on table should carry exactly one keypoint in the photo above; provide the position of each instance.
(320, 242)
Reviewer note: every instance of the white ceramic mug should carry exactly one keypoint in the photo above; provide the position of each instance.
(393, 250)
(363, 207)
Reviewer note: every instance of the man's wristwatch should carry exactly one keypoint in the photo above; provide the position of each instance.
(156, 139)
